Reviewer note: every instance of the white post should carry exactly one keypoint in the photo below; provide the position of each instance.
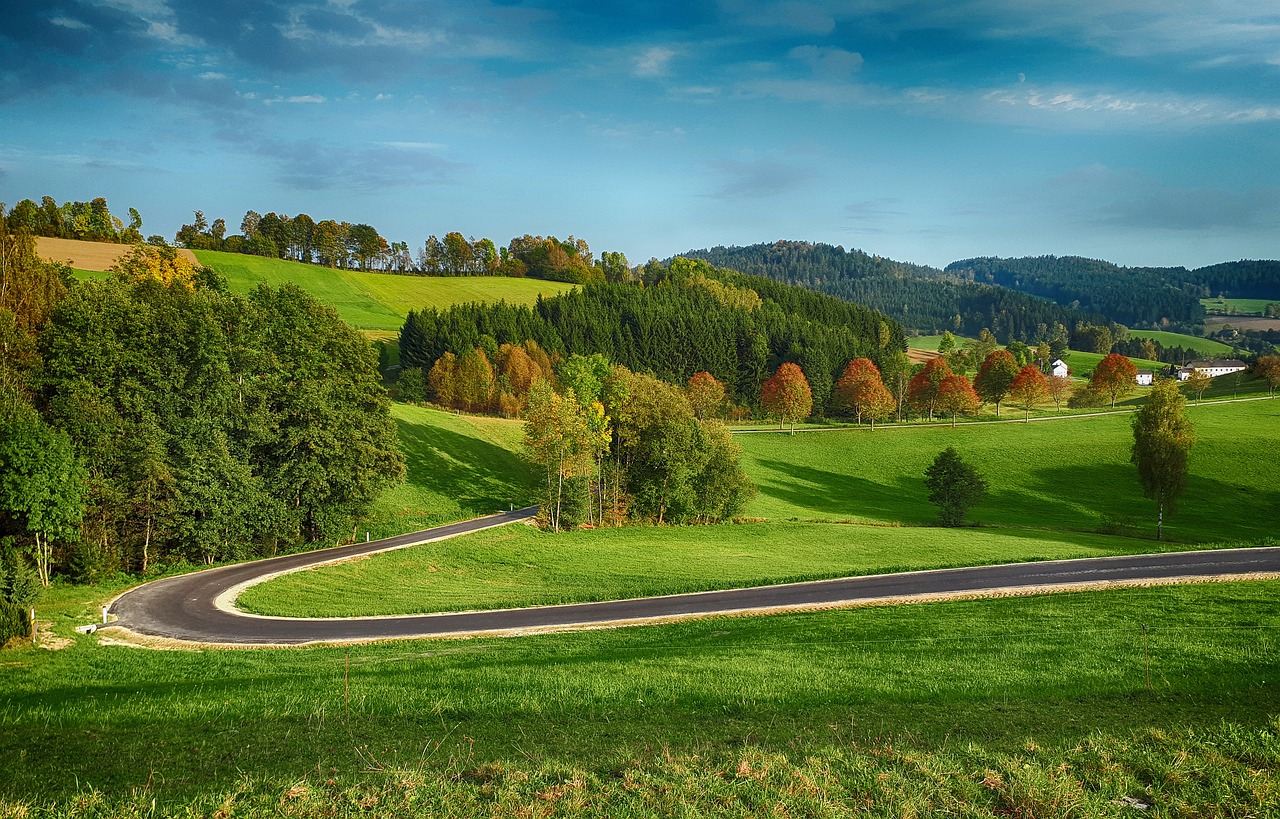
(33, 625)
(366, 536)
(104, 615)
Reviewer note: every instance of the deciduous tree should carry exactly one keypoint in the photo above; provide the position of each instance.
(706, 394)
(954, 486)
(1114, 376)
(1028, 389)
(1268, 367)
(1197, 383)
(1162, 441)
(1059, 387)
(995, 377)
(786, 394)
(922, 392)
(956, 395)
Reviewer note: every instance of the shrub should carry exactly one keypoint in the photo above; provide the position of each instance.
(14, 624)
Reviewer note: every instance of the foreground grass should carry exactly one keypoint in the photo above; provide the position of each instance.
(1062, 476)
(1025, 706)
(373, 301)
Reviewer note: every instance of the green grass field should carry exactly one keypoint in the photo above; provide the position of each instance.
(1023, 706)
(931, 343)
(1237, 307)
(373, 301)
(1205, 346)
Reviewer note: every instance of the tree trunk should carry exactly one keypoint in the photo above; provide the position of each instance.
(1160, 516)
(44, 557)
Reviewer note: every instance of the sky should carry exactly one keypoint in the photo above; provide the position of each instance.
(1144, 132)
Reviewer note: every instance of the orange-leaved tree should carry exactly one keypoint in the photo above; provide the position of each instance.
(1114, 376)
(1060, 389)
(922, 393)
(857, 386)
(956, 395)
(1268, 367)
(786, 394)
(1029, 388)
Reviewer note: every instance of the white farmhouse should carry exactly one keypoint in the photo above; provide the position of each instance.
(1059, 368)
(1211, 367)
(1145, 377)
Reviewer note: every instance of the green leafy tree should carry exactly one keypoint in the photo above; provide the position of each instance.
(1162, 441)
(954, 486)
(1268, 367)
(995, 377)
(1197, 383)
(561, 436)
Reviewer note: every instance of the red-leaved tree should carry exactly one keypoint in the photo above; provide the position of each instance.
(922, 393)
(1114, 376)
(957, 395)
(857, 385)
(786, 394)
(1029, 389)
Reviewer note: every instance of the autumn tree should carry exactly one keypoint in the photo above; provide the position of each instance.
(442, 380)
(1028, 389)
(954, 486)
(162, 263)
(1197, 383)
(1059, 388)
(858, 386)
(1114, 376)
(1162, 441)
(706, 394)
(995, 377)
(922, 392)
(560, 436)
(786, 394)
(1268, 367)
(956, 395)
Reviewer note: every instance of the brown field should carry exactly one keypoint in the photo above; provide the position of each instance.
(922, 356)
(88, 255)
(1212, 323)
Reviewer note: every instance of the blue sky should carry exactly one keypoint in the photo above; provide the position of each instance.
(1139, 131)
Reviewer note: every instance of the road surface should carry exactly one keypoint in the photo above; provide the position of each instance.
(196, 608)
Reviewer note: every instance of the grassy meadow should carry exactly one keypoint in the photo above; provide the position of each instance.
(373, 301)
(1236, 307)
(1020, 706)
(1205, 346)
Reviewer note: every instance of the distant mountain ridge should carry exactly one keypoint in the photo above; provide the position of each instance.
(1011, 296)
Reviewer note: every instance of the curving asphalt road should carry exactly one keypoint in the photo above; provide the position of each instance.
(196, 607)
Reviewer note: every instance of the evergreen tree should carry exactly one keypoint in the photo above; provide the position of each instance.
(954, 486)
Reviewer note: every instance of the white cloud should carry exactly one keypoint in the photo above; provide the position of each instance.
(654, 62)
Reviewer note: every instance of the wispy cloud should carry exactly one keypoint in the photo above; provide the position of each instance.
(757, 179)
(654, 62)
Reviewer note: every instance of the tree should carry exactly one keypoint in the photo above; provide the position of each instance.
(1059, 387)
(1114, 377)
(1268, 367)
(1029, 388)
(857, 385)
(922, 392)
(995, 377)
(956, 395)
(706, 394)
(947, 343)
(41, 485)
(558, 435)
(1198, 382)
(443, 380)
(954, 486)
(1162, 441)
(786, 394)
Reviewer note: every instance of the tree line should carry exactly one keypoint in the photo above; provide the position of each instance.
(156, 416)
(90, 221)
(684, 318)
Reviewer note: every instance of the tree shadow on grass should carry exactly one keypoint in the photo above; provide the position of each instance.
(481, 477)
(818, 492)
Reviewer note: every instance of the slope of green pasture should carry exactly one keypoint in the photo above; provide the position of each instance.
(1023, 706)
(1237, 307)
(1082, 364)
(1204, 346)
(373, 301)
(520, 565)
(459, 466)
(1072, 474)
(931, 343)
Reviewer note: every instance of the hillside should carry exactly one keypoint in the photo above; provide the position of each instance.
(920, 298)
(90, 256)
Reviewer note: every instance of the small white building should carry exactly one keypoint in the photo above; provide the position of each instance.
(1213, 367)
(1059, 369)
(1145, 377)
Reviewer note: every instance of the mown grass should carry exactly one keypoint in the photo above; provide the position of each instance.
(1083, 364)
(373, 301)
(459, 466)
(1204, 346)
(1237, 307)
(977, 707)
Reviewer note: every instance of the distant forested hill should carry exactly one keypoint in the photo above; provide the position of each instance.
(919, 297)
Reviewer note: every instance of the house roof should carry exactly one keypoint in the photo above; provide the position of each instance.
(1058, 362)
(1207, 363)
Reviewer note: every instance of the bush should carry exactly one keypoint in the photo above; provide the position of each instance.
(411, 387)
(15, 624)
(19, 585)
